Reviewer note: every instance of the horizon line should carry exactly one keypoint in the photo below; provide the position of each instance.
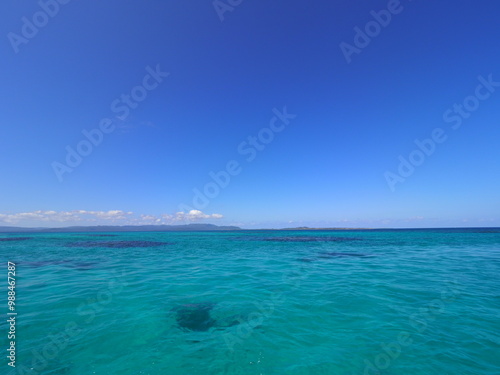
(12, 229)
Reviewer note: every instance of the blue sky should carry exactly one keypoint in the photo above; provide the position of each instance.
(218, 77)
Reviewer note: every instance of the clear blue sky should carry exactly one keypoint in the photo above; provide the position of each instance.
(327, 167)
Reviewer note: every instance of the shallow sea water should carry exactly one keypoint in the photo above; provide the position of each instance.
(419, 302)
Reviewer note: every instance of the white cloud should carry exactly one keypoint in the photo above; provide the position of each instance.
(194, 215)
(178, 217)
(63, 216)
(117, 217)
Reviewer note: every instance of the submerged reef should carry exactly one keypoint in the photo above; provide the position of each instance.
(117, 244)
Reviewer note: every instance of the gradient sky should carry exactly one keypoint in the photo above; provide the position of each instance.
(327, 167)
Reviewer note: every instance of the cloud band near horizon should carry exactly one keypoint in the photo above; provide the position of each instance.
(96, 217)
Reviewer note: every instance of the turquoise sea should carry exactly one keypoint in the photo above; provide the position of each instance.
(409, 302)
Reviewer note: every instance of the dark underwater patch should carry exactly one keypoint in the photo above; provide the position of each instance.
(310, 239)
(117, 244)
(296, 239)
(329, 255)
(195, 316)
(493, 230)
(6, 239)
(198, 317)
(94, 235)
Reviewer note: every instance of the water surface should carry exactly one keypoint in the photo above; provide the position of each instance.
(271, 302)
